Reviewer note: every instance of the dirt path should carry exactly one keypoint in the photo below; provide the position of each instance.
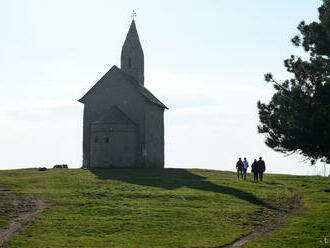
(24, 209)
(271, 224)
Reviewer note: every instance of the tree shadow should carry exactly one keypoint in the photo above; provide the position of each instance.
(172, 179)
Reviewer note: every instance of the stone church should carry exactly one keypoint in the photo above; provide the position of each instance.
(123, 121)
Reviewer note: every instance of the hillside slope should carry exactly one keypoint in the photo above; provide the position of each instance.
(165, 208)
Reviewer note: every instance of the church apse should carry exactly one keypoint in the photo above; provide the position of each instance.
(113, 140)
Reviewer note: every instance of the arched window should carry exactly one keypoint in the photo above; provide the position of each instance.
(129, 62)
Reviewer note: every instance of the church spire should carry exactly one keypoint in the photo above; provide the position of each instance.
(132, 58)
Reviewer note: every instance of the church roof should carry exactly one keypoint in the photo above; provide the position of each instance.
(114, 116)
(143, 90)
(132, 38)
(140, 88)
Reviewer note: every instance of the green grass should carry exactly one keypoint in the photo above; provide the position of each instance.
(165, 208)
(311, 226)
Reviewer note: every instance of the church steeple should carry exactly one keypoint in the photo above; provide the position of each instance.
(132, 58)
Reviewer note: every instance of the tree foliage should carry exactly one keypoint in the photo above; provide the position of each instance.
(297, 119)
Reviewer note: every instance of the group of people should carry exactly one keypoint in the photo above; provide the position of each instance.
(257, 168)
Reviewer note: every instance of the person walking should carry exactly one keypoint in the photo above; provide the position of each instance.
(246, 166)
(261, 168)
(239, 167)
(254, 170)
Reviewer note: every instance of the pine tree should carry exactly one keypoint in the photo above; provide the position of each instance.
(297, 118)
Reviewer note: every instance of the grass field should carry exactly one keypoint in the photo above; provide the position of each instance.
(166, 208)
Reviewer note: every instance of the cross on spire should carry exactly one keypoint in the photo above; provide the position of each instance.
(133, 15)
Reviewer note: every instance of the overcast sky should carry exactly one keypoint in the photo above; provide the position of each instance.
(204, 59)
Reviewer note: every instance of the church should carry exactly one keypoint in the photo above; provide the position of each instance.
(123, 121)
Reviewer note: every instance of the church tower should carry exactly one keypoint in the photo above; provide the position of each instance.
(132, 58)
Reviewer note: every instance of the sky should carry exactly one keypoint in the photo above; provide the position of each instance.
(205, 60)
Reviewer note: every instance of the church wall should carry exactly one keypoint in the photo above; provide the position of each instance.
(114, 91)
(154, 125)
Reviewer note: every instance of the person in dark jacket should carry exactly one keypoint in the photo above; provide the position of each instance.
(240, 168)
(254, 170)
(261, 168)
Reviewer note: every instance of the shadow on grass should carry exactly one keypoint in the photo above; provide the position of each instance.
(173, 179)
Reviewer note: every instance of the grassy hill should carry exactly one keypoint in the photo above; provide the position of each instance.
(166, 208)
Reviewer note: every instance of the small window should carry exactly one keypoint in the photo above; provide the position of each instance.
(106, 139)
(129, 62)
(96, 139)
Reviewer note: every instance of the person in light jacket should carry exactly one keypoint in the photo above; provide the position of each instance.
(246, 166)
